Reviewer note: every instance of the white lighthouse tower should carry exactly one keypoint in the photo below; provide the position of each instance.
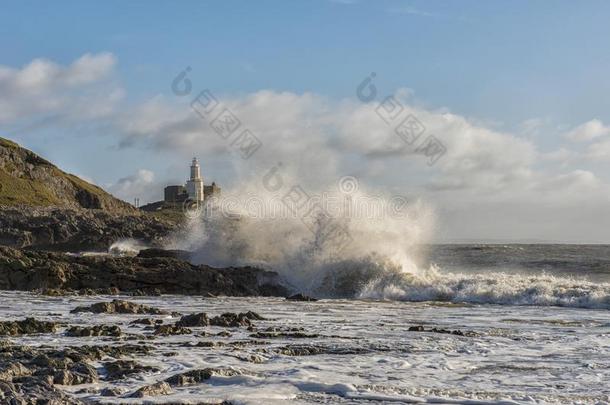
(194, 186)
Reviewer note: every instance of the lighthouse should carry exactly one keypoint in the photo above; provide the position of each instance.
(194, 186)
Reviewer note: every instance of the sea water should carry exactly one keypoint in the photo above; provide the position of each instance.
(536, 324)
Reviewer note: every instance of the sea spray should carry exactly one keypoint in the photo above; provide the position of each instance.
(384, 259)
(126, 247)
(254, 226)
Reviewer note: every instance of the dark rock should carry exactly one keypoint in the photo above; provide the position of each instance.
(79, 373)
(146, 322)
(172, 330)
(122, 368)
(112, 392)
(199, 375)
(119, 307)
(13, 370)
(230, 319)
(301, 297)
(194, 320)
(97, 330)
(441, 330)
(32, 390)
(154, 252)
(293, 335)
(37, 270)
(26, 327)
(160, 388)
(77, 230)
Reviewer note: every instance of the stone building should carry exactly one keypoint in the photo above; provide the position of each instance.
(194, 189)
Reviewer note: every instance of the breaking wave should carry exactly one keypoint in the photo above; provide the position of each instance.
(492, 288)
(384, 258)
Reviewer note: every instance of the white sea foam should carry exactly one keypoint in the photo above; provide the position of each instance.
(126, 247)
(383, 258)
(492, 288)
(517, 355)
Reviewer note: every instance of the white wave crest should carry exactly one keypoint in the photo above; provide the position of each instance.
(492, 288)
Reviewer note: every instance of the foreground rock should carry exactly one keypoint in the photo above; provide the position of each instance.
(26, 327)
(122, 368)
(97, 330)
(172, 330)
(301, 297)
(457, 332)
(160, 388)
(199, 375)
(119, 307)
(32, 375)
(36, 270)
(194, 320)
(232, 320)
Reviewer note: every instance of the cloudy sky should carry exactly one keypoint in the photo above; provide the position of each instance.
(515, 92)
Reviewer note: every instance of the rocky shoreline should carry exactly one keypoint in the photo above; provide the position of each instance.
(100, 351)
(78, 230)
(55, 273)
(32, 374)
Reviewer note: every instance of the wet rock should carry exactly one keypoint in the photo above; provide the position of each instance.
(119, 307)
(230, 319)
(61, 363)
(97, 330)
(146, 322)
(13, 370)
(172, 330)
(79, 373)
(275, 332)
(8, 392)
(26, 327)
(55, 292)
(311, 350)
(456, 332)
(194, 320)
(155, 252)
(112, 392)
(121, 368)
(293, 335)
(36, 270)
(99, 291)
(160, 388)
(31, 390)
(199, 375)
(300, 350)
(301, 297)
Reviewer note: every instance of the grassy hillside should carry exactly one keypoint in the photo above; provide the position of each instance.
(28, 179)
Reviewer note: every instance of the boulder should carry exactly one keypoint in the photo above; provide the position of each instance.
(26, 326)
(119, 307)
(97, 330)
(160, 388)
(200, 319)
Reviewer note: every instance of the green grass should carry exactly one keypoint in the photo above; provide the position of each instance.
(169, 213)
(8, 143)
(24, 190)
(18, 191)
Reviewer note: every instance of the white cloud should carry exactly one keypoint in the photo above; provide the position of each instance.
(45, 87)
(588, 131)
(599, 150)
(319, 140)
(140, 184)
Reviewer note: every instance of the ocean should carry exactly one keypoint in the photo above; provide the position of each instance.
(502, 324)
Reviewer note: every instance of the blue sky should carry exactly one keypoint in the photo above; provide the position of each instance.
(535, 70)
